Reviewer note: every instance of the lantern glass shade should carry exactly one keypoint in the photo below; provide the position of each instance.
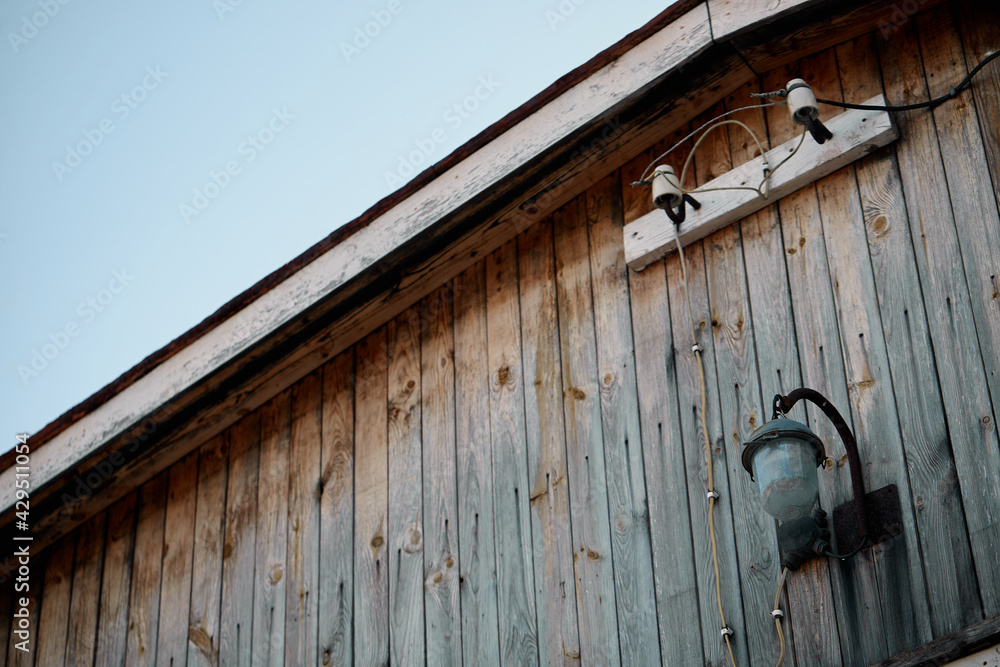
(785, 470)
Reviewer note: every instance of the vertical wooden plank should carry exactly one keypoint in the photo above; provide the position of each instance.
(696, 460)
(371, 499)
(669, 511)
(931, 467)
(588, 481)
(741, 412)
(268, 638)
(147, 566)
(623, 444)
(84, 607)
(336, 557)
(901, 584)
(951, 322)
(302, 548)
(206, 570)
(178, 552)
(551, 533)
(23, 643)
(477, 554)
(972, 197)
(515, 577)
(112, 628)
(974, 206)
(740, 407)
(809, 589)
(406, 544)
(670, 525)
(822, 367)
(240, 543)
(443, 618)
(53, 621)
(980, 27)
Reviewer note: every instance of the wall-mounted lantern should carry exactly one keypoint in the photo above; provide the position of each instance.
(782, 457)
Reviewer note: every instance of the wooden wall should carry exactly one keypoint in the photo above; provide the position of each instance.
(513, 470)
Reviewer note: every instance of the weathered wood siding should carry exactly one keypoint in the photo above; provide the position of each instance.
(513, 472)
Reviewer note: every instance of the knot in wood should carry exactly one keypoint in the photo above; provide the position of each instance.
(880, 225)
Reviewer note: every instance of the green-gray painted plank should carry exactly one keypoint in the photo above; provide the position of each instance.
(974, 208)
(371, 500)
(663, 450)
(696, 461)
(477, 553)
(551, 532)
(932, 471)
(302, 549)
(515, 575)
(740, 407)
(623, 444)
(808, 589)
(240, 543)
(588, 481)
(268, 639)
(442, 614)
(741, 411)
(822, 365)
(973, 200)
(901, 584)
(206, 572)
(336, 555)
(405, 539)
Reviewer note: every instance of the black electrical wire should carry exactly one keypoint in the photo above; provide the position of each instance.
(855, 550)
(952, 93)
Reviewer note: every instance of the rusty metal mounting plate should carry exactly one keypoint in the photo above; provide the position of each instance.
(882, 511)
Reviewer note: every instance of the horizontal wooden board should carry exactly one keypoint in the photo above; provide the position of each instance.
(855, 134)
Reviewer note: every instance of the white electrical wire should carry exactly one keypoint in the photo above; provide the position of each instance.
(642, 180)
(763, 190)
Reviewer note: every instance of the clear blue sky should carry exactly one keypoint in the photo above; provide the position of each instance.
(160, 158)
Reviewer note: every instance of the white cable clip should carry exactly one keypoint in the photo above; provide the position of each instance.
(696, 349)
(777, 613)
(714, 495)
(726, 632)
